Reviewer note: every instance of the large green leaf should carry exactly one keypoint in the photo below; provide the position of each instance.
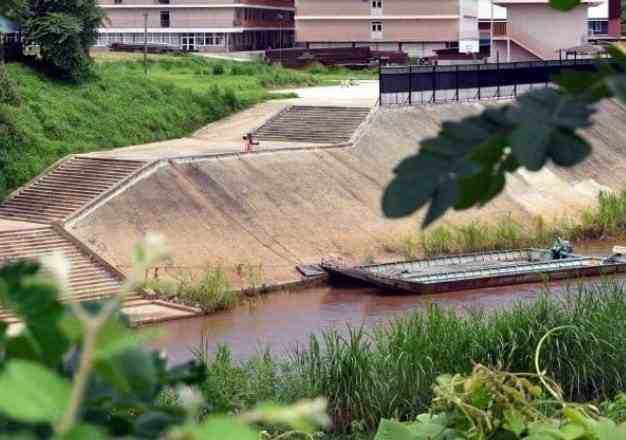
(32, 393)
(219, 428)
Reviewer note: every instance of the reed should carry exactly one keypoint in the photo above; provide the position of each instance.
(388, 371)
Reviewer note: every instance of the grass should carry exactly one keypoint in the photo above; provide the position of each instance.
(210, 291)
(213, 289)
(606, 220)
(121, 106)
(389, 371)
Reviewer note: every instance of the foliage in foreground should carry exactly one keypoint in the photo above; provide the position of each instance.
(387, 372)
(605, 220)
(79, 372)
(466, 165)
(490, 404)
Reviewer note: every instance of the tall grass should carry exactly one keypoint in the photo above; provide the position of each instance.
(388, 371)
(607, 219)
(210, 291)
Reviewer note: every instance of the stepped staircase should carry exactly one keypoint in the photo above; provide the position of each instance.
(314, 125)
(45, 203)
(89, 279)
(65, 189)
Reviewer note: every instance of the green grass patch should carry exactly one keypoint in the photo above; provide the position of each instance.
(389, 371)
(605, 220)
(122, 106)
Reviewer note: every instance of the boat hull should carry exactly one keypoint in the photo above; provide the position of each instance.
(363, 275)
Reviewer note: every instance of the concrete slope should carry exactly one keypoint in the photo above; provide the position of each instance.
(288, 207)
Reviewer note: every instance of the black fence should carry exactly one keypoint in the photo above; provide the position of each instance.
(423, 84)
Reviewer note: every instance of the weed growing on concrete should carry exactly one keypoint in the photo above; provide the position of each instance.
(606, 220)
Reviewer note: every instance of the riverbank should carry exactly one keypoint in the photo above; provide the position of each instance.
(121, 106)
(386, 371)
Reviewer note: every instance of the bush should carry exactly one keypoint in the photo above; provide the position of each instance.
(8, 89)
(218, 69)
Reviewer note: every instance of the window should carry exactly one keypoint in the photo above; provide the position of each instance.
(376, 7)
(598, 27)
(163, 2)
(377, 30)
(165, 19)
(118, 2)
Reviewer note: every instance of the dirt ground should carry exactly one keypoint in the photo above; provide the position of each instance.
(281, 209)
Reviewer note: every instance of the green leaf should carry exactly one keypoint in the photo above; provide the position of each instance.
(564, 5)
(416, 179)
(514, 421)
(617, 85)
(393, 430)
(215, 428)
(131, 373)
(35, 302)
(444, 197)
(82, 432)
(530, 144)
(32, 393)
(568, 149)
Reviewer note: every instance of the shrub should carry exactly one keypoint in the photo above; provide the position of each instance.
(8, 89)
(219, 69)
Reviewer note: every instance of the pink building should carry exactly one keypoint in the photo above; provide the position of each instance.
(416, 27)
(532, 30)
(200, 25)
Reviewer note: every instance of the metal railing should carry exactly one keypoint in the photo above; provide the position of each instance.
(464, 82)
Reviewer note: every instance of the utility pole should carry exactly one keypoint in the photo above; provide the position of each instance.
(491, 35)
(145, 43)
(280, 17)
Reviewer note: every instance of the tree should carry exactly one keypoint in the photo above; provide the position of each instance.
(466, 164)
(64, 30)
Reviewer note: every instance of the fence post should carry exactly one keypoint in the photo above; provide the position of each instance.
(410, 85)
(458, 97)
(478, 79)
(498, 76)
(434, 83)
(515, 81)
(380, 83)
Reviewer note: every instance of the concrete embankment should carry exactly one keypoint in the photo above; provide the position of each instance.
(279, 209)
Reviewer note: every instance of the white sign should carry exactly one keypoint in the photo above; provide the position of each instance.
(469, 46)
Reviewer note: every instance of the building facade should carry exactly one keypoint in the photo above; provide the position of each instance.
(536, 31)
(200, 25)
(416, 27)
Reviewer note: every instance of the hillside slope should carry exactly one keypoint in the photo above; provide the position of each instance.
(283, 208)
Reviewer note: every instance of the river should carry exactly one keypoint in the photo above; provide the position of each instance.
(280, 321)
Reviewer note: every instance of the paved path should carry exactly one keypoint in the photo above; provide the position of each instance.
(226, 135)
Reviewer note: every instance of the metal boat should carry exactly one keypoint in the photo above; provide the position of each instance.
(479, 270)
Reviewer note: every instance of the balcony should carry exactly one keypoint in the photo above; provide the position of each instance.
(275, 3)
(256, 23)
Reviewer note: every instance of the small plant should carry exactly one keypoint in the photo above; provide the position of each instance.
(219, 69)
(211, 291)
(9, 94)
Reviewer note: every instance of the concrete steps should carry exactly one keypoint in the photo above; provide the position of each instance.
(314, 125)
(67, 188)
(88, 279)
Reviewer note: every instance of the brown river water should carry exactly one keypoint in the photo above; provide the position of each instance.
(281, 321)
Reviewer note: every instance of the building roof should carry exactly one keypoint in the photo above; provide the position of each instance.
(599, 12)
(7, 26)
